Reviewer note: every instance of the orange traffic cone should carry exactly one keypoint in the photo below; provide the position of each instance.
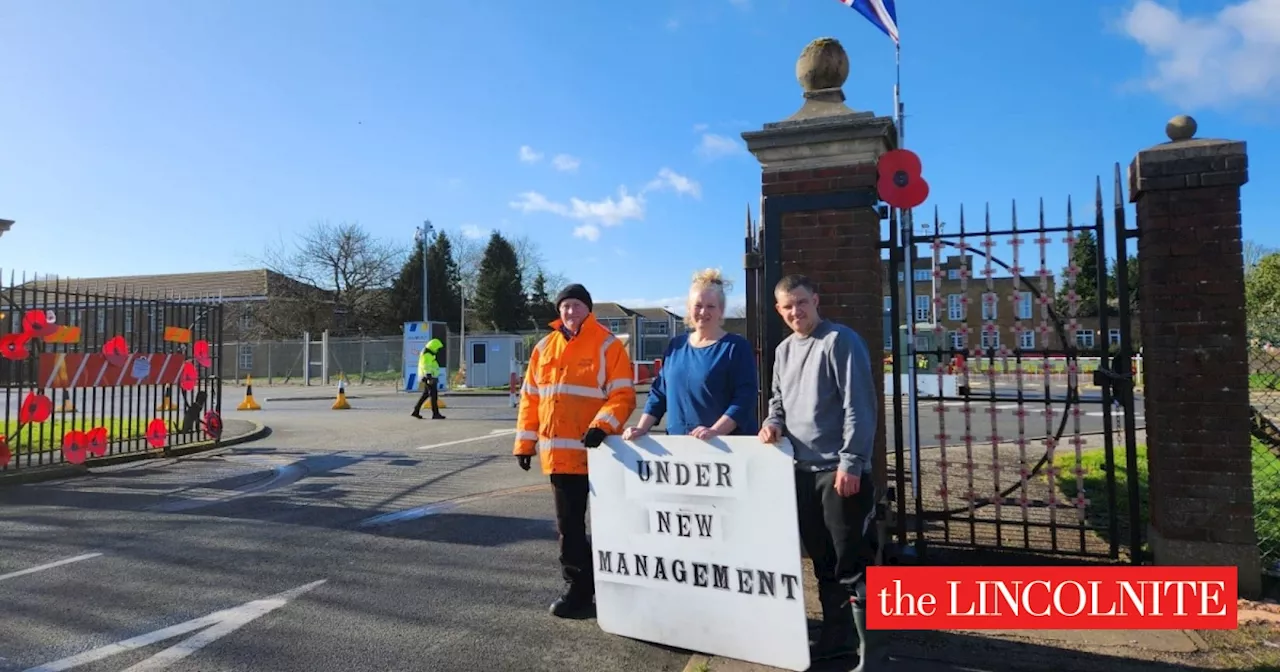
(340, 404)
(248, 404)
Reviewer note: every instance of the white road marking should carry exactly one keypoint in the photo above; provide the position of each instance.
(51, 565)
(495, 433)
(218, 624)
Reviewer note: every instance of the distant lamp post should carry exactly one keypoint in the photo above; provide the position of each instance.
(422, 235)
(5, 224)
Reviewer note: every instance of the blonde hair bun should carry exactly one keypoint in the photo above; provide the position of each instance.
(710, 276)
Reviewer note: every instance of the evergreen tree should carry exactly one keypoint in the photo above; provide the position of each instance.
(444, 282)
(1084, 256)
(405, 295)
(540, 307)
(500, 301)
(443, 278)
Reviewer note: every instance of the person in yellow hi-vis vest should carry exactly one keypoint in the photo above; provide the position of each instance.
(428, 373)
(579, 388)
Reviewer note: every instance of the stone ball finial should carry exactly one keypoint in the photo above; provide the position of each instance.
(822, 65)
(1181, 127)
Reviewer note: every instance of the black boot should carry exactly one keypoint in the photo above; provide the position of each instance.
(574, 605)
(437, 416)
(873, 648)
(836, 637)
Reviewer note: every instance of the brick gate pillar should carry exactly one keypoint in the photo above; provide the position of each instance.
(1195, 351)
(820, 210)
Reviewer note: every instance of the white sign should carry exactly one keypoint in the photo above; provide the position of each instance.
(208, 629)
(696, 545)
(416, 335)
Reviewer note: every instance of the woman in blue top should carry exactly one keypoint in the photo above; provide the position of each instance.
(707, 386)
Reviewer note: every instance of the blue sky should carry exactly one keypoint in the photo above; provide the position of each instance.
(155, 137)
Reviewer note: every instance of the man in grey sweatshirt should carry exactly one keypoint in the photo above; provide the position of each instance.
(824, 402)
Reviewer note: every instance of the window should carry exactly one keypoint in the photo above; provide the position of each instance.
(1113, 336)
(923, 275)
(990, 339)
(957, 340)
(152, 314)
(479, 353)
(102, 321)
(955, 309)
(888, 303)
(990, 303)
(1084, 339)
(244, 356)
(1024, 305)
(128, 321)
(902, 276)
(953, 274)
(246, 321)
(922, 307)
(1027, 340)
(656, 327)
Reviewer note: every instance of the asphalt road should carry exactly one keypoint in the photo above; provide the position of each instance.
(352, 540)
(317, 549)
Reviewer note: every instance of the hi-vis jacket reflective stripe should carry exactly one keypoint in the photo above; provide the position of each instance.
(572, 385)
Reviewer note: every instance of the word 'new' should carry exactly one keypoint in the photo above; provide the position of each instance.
(684, 523)
(662, 472)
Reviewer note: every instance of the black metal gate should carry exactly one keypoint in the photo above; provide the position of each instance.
(1042, 474)
(90, 373)
(1012, 446)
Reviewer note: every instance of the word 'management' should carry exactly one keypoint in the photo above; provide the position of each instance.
(1052, 598)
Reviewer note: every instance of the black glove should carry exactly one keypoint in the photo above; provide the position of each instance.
(595, 436)
(525, 461)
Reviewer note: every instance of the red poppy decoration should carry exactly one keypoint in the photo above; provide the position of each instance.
(188, 378)
(213, 424)
(116, 350)
(201, 352)
(5, 454)
(38, 323)
(157, 433)
(97, 441)
(35, 408)
(14, 346)
(75, 445)
(900, 182)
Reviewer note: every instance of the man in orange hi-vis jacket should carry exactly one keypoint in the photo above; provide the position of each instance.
(579, 388)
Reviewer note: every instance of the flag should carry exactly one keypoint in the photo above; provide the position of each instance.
(881, 13)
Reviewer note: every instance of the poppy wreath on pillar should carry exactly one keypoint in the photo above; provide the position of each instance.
(899, 181)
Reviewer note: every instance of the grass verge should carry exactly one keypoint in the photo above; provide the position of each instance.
(1266, 492)
(47, 436)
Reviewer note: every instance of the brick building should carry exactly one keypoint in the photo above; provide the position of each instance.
(1017, 317)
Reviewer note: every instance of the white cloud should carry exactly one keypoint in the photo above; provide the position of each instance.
(606, 211)
(700, 128)
(527, 154)
(473, 232)
(610, 210)
(565, 163)
(714, 146)
(1209, 61)
(668, 178)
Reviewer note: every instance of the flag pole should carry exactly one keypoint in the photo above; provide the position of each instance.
(908, 228)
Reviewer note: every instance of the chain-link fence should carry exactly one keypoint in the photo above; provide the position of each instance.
(1264, 411)
(376, 360)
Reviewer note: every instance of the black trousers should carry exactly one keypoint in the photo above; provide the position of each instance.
(429, 391)
(571, 494)
(839, 535)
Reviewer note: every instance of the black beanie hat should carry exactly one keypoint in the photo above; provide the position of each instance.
(574, 291)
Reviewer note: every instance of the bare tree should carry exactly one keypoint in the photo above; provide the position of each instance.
(1253, 253)
(338, 271)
